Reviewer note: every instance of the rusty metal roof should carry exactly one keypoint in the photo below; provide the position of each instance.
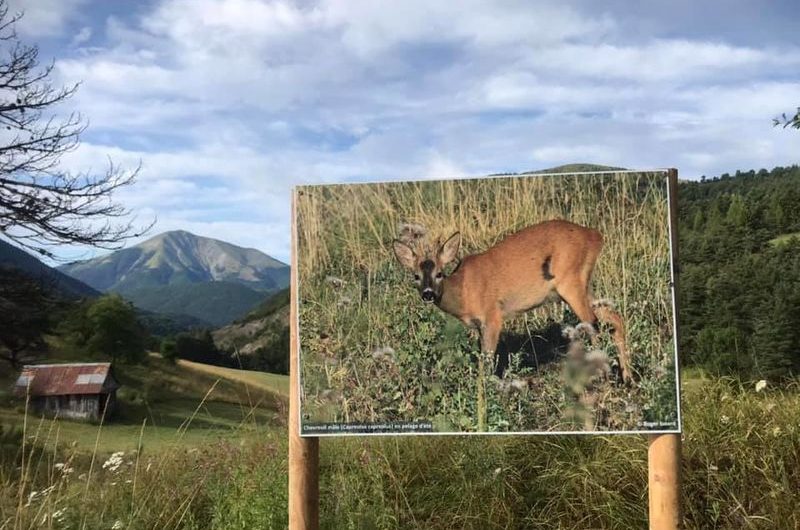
(66, 379)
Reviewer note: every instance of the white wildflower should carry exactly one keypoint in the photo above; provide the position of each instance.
(32, 496)
(584, 329)
(343, 301)
(519, 384)
(64, 468)
(335, 282)
(118, 525)
(761, 385)
(36, 495)
(383, 353)
(725, 420)
(114, 461)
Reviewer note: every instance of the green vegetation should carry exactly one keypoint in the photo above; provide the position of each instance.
(169, 350)
(740, 273)
(113, 330)
(26, 315)
(372, 351)
(260, 340)
(784, 238)
(189, 448)
(741, 470)
(217, 303)
(104, 328)
(14, 258)
(268, 307)
(226, 468)
(163, 396)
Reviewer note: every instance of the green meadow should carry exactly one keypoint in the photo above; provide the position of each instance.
(741, 469)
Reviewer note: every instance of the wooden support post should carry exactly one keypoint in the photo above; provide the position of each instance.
(303, 452)
(664, 463)
(664, 450)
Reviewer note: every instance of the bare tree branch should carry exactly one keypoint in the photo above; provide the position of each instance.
(41, 204)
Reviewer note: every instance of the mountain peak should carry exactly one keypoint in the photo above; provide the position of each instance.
(180, 257)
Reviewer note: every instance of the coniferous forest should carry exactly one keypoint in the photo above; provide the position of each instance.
(739, 283)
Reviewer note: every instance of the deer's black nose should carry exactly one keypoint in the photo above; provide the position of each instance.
(428, 296)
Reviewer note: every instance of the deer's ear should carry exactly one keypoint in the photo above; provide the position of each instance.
(449, 250)
(405, 255)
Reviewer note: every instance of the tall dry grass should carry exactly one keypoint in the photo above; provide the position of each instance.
(370, 350)
(740, 470)
(49, 481)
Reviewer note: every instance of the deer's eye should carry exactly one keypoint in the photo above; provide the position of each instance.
(416, 277)
(439, 275)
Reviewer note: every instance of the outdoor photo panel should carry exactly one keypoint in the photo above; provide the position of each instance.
(534, 303)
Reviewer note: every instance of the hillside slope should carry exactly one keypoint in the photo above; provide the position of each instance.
(12, 257)
(739, 283)
(262, 337)
(216, 303)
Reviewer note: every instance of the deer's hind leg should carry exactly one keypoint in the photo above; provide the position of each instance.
(606, 313)
(576, 295)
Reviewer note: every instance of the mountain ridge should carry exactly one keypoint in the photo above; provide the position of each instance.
(16, 258)
(178, 272)
(176, 257)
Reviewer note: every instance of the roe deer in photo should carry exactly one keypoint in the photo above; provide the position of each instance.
(517, 274)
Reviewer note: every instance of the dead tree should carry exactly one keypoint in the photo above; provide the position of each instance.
(41, 204)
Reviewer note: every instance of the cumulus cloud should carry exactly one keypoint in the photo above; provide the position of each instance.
(239, 99)
(44, 18)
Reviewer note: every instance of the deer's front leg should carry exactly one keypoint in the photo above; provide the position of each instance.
(490, 335)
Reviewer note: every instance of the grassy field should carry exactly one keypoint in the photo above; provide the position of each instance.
(175, 424)
(276, 383)
(156, 401)
(372, 351)
(741, 470)
(784, 238)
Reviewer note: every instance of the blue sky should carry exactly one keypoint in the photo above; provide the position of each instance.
(229, 103)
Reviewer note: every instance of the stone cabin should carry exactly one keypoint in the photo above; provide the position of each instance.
(81, 391)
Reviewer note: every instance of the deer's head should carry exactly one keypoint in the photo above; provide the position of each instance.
(428, 268)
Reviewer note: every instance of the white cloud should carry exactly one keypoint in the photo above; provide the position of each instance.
(82, 36)
(662, 60)
(44, 18)
(257, 95)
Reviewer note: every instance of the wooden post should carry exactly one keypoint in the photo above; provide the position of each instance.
(303, 452)
(664, 450)
(663, 462)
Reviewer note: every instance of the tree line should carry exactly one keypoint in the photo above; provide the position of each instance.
(739, 276)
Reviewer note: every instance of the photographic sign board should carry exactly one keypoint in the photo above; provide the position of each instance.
(530, 304)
